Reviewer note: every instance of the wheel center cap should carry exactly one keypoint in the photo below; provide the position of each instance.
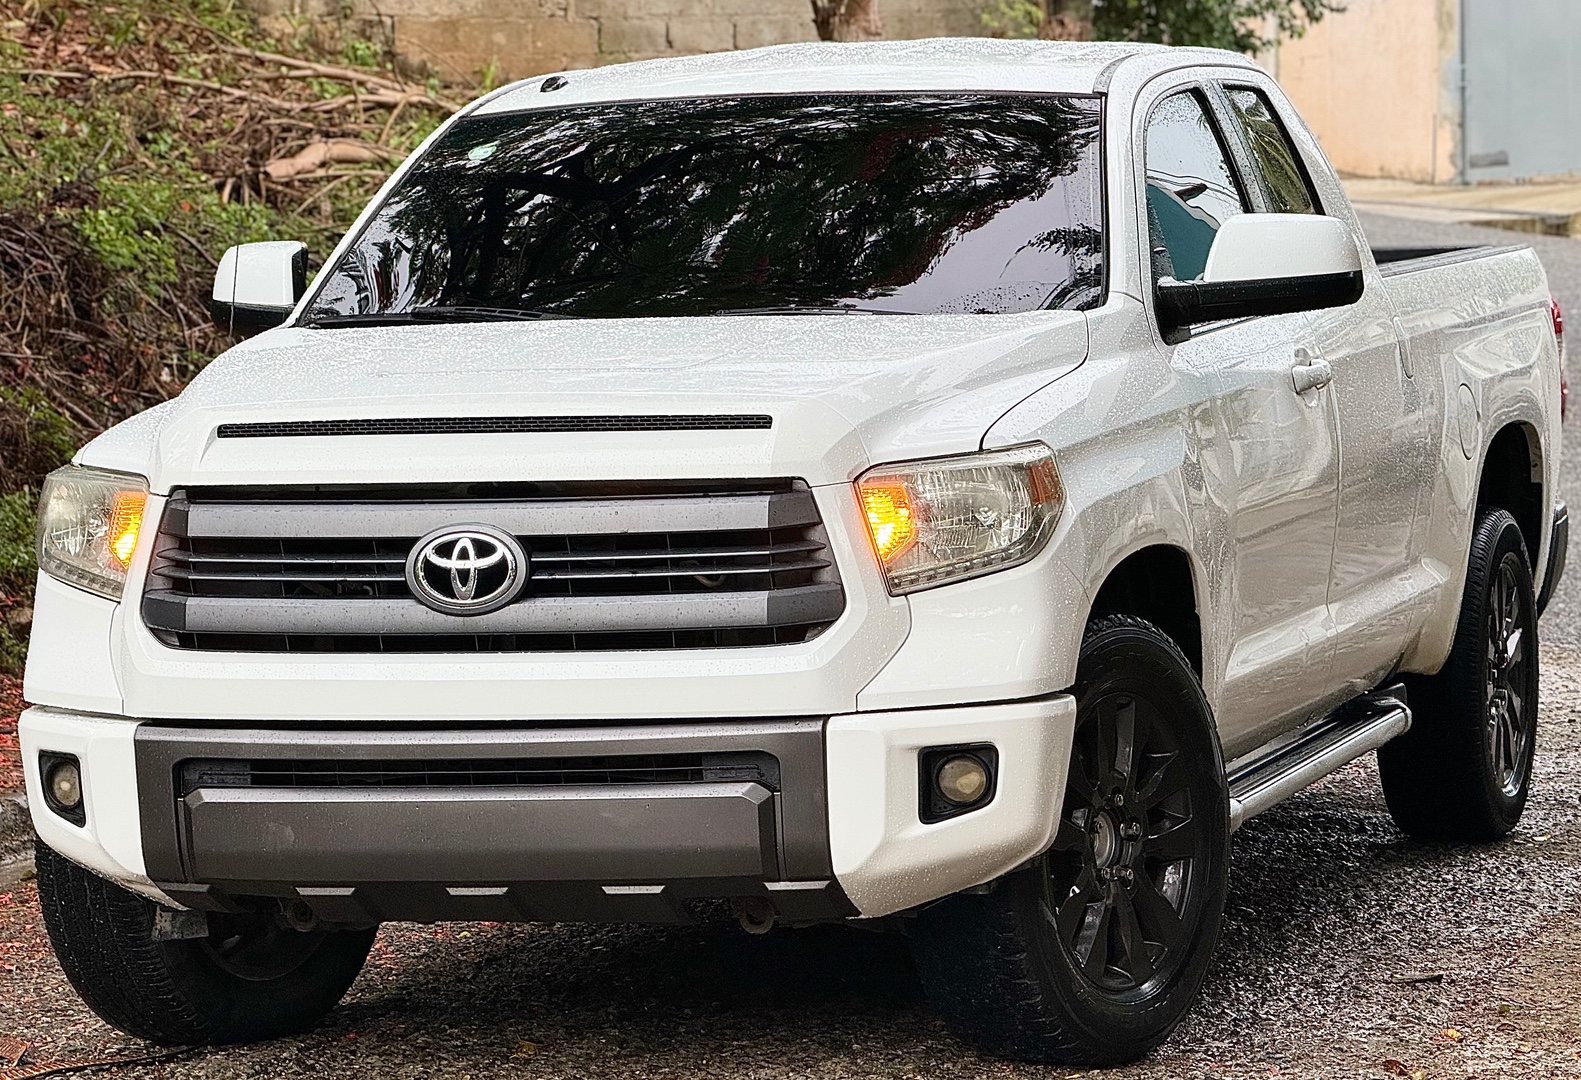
(1105, 840)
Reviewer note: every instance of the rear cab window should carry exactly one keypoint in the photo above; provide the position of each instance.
(1285, 184)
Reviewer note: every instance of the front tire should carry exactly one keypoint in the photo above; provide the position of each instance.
(251, 979)
(1093, 953)
(1464, 769)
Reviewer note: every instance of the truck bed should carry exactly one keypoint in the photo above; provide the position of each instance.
(1405, 260)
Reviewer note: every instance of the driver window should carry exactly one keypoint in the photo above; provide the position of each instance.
(1191, 188)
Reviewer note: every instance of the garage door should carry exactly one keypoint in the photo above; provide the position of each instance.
(1523, 88)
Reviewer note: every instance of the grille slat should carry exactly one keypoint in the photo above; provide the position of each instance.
(197, 559)
(766, 551)
(636, 567)
(685, 572)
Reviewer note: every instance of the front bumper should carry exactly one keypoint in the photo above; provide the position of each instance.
(631, 822)
(1558, 550)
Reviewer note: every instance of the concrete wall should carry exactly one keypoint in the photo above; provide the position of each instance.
(1378, 82)
(458, 39)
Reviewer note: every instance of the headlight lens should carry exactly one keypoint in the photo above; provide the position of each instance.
(947, 519)
(88, 524)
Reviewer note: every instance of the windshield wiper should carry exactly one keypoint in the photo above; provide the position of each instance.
(798, 309)
(434, 314)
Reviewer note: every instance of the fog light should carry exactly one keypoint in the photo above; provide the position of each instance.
(955, 780)
(62, 776)
(962, 780)
(65, 785)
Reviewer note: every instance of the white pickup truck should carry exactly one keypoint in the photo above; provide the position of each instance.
(955, 481)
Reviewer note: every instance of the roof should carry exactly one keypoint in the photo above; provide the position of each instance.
(936, 64)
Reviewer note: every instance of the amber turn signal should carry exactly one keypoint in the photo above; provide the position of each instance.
(126, 521)
(889, 519)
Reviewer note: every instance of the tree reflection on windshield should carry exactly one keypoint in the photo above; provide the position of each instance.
(944, 203)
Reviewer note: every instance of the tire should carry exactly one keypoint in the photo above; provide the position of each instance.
(251, 979)
(1093, 953)
(1464, 770)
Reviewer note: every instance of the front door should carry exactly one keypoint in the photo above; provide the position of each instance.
(1272, 463)
(1377, 586)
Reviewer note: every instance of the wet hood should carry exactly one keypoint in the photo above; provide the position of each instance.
(843, 392)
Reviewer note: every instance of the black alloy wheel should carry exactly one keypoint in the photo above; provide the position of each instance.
(1093, 952)
(1123, 866)
(1509, 709)
(1464, 769)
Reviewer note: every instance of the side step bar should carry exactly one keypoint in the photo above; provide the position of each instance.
(1269, 776)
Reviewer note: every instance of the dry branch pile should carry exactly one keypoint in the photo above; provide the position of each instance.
(139, 139)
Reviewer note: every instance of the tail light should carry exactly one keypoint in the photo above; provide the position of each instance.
(1558, 316)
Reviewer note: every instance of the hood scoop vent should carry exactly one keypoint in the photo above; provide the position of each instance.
(494, 425)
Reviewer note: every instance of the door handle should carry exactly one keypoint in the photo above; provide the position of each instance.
(1313, 375)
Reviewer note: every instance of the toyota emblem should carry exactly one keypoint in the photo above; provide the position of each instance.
(466, 569)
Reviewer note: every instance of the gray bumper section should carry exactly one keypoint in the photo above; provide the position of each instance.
(579, 851)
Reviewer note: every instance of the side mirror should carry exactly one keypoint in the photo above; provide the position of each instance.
(1265, 264)
(257, 285)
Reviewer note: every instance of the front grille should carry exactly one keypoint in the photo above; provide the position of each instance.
(746, 766)
(611, 567)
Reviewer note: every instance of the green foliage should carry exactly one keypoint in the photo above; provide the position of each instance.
(1220, 24)
(34, 438)
(1013, 18)
(17, 522)
(132, 140)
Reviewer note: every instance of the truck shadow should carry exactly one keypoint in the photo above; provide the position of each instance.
(1328, 900)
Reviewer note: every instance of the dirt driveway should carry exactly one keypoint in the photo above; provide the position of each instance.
(1348, 951)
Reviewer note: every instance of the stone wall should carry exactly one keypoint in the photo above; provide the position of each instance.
(461, 39)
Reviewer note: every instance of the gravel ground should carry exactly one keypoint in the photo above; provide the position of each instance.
(1348, 950)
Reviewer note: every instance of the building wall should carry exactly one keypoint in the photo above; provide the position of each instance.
(460, 39)
(1379, 84)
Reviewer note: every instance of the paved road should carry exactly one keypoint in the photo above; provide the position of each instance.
(1562, 257)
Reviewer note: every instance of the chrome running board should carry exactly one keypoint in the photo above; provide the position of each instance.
(1271, 775)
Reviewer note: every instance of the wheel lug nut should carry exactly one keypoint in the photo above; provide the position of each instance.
(1118, 800)
(1131, 830)
(1125, 874)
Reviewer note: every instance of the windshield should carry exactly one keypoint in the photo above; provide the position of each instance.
(899, 204)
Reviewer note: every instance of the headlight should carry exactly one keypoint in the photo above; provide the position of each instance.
(88, 523)
(946, 519)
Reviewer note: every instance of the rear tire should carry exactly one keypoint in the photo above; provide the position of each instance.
(1092, 954)
(1464, 770)
(251, 979)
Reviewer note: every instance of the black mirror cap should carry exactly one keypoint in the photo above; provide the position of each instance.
(1183, 304)
(242, 321)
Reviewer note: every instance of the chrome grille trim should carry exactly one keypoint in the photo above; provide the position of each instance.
(540, 615)
(630, 566)
(409, 520)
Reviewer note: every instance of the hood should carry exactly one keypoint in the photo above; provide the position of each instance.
(843, 391)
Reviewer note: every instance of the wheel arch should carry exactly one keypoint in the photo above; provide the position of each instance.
(1511, 479)
(1159, 583)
